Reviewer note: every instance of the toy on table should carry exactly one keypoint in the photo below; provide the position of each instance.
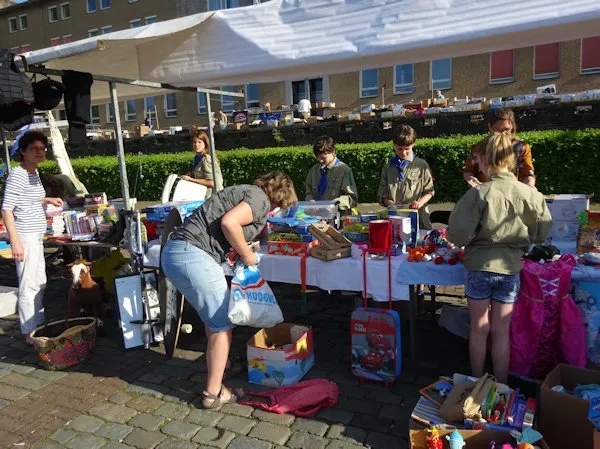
(456, 440)
(435, 247)
(433, 439)
(450, 255)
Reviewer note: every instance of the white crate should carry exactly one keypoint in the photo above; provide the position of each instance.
(8, 301)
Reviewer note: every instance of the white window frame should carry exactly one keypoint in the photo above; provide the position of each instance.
(87, 7)
(507, 80)
(93, 30)
(131, 22)
(153, 112)
(20, 24)
(63, 38)
(95, 120)
(104, 27)
(246, 96)
(204, 109)
(225, 105)
(62, 17)
(56, 38)
(16, 27)
(170, 113)
(50, 8)
(397, 86)
(107, 7)
(15, 50)
(546, 76)
(431, 77)
(155, 17)
(108, 118)
(360, 86)
(130, 116)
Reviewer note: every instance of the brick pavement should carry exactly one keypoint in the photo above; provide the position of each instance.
(140, 399)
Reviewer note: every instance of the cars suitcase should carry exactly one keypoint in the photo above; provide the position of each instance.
(376, 340)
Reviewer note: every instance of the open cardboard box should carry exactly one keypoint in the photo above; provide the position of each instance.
(564, 418)
(281, 355)
(474, 439)
(333, 244)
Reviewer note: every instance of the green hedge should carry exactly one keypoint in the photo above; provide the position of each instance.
(565, 162)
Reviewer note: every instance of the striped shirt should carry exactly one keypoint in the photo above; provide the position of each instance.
(23, 195)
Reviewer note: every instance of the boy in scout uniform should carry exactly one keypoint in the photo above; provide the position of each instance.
(406, 180)
(330, 179)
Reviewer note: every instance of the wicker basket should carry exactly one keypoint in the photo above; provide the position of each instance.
(65, 343)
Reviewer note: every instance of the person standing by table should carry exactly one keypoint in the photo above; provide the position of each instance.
(25, 222)
(193, 255)
(496, 222)
(501, 121)
(202, 167)
(304, 108)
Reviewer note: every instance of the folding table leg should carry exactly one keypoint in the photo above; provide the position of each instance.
(413, 321)
(303, 300)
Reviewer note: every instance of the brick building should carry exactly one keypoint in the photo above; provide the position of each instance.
(572, 66)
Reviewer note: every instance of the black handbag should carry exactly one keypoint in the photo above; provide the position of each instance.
(16, 93)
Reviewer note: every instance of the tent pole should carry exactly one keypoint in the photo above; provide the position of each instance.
(211, 136)
(114, 99)
(6, 150)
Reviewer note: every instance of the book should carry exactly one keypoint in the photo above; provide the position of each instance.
(437, 392)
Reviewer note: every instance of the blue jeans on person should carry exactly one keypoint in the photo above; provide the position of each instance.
(200, 279)
(504, 288)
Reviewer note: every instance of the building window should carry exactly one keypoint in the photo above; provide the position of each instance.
(170, 105)
(12, 25)
(151, 19)
(93, 32)
(104, 4)
(130, 114)
(298, 91)
(150, 107)
(252, 95)
(23, 24)
(135, 23)
(404, 79)
(132, 1)
(68, 38)
(502, 67)
(369, 83)
(227, 102)
(55, 41)
(441, 74)
(214, 5)
(95, 114)
(110, 113)
(201, 100)
(106, 29)
(60, 114)
(25, 48)
(545, 61)
(53, 14)
(91, 6)
(315, 89)
(590, 56)
(65, 11)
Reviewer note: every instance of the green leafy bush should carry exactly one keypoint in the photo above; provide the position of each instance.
(565, 162)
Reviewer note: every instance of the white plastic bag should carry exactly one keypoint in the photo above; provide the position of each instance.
(251, 300)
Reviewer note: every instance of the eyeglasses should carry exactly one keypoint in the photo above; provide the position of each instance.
(40, 149)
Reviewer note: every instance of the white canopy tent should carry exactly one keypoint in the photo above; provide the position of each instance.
(295, 39)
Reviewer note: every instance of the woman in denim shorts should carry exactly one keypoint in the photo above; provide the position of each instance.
(497, 222)
(193, 255)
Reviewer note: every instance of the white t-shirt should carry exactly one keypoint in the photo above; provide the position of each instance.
(23, 194)
(304, 105)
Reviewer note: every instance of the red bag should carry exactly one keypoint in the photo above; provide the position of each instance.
(305, 398)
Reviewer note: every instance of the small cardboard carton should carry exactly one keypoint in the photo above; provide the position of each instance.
(281, 355)
(474, 439)
(286, 248)
(563, 417)
(333, 244)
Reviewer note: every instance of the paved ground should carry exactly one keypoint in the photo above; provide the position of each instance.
(140, 399)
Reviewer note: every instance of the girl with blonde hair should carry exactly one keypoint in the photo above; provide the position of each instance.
(202, 167)
(496, 222)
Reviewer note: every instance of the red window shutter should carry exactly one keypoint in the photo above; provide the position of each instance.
(546, 60)
(55, 41)
(590, 55)
(502, 66)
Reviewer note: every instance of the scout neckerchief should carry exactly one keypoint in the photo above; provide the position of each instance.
(400, 164)
(323, 181)
(197, 160)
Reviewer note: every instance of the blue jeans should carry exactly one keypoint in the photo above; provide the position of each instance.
(502, 288)
(199, 278)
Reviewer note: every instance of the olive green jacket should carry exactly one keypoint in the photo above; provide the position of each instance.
(497, 222)
(340, 185)
(204, 171)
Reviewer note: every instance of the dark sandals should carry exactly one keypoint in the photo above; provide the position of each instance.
(212, 401)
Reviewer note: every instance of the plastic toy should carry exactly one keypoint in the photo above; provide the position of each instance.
(449, 255)
(433, 439)
(456, 440)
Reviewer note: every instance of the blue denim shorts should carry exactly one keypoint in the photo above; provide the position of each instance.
(481, 285)
(201, 280)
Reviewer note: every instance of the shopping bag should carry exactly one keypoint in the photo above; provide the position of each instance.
(251, 300)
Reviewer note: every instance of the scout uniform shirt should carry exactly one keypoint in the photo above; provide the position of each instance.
(203, 170)
(334, 182)
(403, 186)
(523, 167)
(497, 222)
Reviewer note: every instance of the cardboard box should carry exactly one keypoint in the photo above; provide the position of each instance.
(290, 248)
(333, 244)
(8, 300)
(281, 355)
(236, 126)
(474, 439)
(141, 130)
(563, 418)
(565, 209)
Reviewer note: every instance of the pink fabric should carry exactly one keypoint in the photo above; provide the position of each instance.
(547, 327)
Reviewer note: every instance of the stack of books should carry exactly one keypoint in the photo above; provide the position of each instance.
(55, 223)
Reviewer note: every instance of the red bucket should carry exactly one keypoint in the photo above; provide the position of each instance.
(380, 234)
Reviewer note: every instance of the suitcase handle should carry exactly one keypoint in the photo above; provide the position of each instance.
(388, 252)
